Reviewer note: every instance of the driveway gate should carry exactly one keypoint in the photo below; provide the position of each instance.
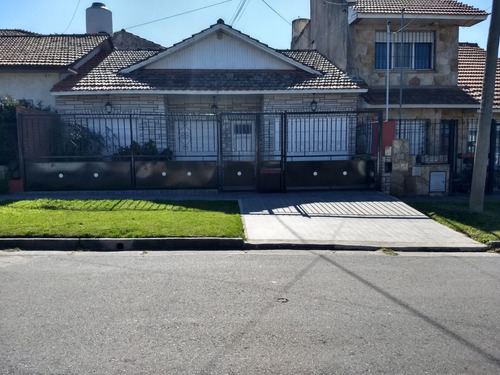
(225, 151)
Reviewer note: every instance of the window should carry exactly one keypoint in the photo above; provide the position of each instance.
(416, 52)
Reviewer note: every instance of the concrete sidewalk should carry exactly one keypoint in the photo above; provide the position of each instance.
(301, 220)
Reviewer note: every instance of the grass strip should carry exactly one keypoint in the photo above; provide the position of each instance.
(484, 227)
(119, 218)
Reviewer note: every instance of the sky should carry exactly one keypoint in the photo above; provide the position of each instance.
(177, 20)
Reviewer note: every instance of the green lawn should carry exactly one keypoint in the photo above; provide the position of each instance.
(484, 227)
(119, 218)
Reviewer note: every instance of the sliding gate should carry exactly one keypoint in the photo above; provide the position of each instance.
(267, 152)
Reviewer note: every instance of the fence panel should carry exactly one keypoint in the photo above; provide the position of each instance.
(225, 150)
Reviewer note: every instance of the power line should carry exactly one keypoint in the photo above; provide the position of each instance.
(72, 18)
(179, 14)
(284, 19)
(239, 12)
(270, 7)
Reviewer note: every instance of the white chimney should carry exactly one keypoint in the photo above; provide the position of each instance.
(298, 25)
(99, 19)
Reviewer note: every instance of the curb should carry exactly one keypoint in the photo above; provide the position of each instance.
(118, 244)
(201, 244)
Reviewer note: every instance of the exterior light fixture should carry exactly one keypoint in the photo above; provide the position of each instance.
(108, 106)
(214, 107)
(314, 104)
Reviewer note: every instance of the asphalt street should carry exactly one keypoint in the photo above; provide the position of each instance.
(257, 312)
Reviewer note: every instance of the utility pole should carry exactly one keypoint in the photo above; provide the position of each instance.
(476, 199)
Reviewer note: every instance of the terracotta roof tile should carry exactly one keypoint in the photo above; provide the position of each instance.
(471, 65)
(46, 50)
(435, 7)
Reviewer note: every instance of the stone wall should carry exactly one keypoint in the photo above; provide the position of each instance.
(135, 103)
(141, 103)
(403, 177)
(361, 57)
(295, 103)
(203, 103)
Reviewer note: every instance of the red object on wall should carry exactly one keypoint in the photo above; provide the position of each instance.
(388, 135)
(16, 186)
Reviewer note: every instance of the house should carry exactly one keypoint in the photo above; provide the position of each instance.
(207, 112)
(31, 64)
(222, 110)
(409, 56)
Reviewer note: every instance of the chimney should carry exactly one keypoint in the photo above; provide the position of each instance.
(298, 25)
(99, 19)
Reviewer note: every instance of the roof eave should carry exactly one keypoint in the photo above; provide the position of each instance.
(209, 92)
(459, 19)
(424, 106)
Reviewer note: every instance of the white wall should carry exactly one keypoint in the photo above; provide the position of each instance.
(33, 86)
(220, 51)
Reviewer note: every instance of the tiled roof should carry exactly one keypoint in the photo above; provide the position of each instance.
(435, 7)
(471, 65)
(46, 50)
(104, 75)
(127, 41)
(15, 32)
(421, 96)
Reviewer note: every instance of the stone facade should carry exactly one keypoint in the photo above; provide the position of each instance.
(295, 103)
(203, 103)
(361, 56)
(403, 177)
(121, 104)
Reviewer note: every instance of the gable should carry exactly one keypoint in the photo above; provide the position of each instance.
(220, 47)
(220, 50)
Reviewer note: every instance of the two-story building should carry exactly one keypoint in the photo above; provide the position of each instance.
(416, 71)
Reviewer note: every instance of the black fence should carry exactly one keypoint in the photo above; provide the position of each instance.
(231, 151)
(227, 151)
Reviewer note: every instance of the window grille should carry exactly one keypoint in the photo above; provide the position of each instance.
(416, 52)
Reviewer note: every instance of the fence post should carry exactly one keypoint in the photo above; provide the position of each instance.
(379, 153)
(220, 161)
(283, 128)
(452, 153)
(20, 147)
(132, 155)
(490, 179)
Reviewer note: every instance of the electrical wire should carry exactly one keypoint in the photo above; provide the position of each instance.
(72, 18)
(270, 7)
(237, 11)
(243, 11)
(178, 14)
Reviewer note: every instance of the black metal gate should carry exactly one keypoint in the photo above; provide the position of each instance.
(226, 151)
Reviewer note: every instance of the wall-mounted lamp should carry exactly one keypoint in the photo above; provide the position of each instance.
(108, 106)
(214, 107)
(314, 104)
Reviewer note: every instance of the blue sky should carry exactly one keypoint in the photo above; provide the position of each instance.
(256, 18)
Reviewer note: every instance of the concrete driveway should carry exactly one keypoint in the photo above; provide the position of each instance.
(347, 219)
